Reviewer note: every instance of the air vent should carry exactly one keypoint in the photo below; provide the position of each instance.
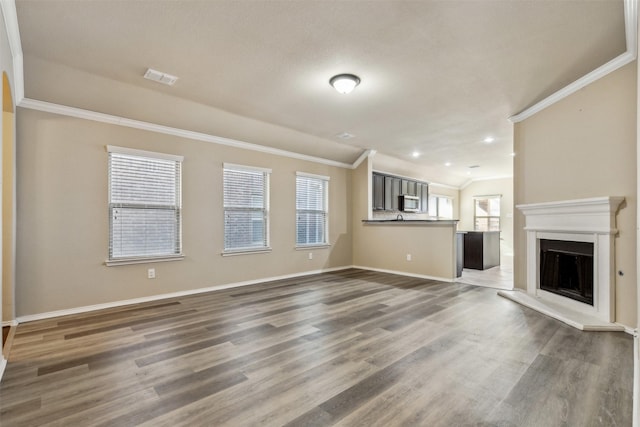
(160, 77)
(345, 135)
(474, 166)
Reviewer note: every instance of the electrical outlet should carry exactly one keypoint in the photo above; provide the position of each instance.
(310, 255)
(408, 257)
(151, 273)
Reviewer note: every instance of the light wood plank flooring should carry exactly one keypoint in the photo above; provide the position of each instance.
(351, 348)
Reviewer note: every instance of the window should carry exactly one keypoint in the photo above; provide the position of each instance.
(441, 207)
(487, 213)
(246, 208)
(311, 210)
(144, 205)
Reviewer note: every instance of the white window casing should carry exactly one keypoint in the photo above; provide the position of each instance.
(246, 209)
(312, 210)
(145, 206)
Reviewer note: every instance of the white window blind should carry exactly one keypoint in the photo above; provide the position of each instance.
(311, 210)
(246, 208)
(144, 204)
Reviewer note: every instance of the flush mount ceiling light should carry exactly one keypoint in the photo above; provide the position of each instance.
(344, 83)
(489, 139)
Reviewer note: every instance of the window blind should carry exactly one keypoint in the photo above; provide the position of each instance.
(311, 210)
(246, 196)
(144, 205)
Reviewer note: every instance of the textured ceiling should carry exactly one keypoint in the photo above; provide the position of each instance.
(437, 76)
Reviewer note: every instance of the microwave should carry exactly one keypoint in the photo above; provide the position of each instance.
(409, 203)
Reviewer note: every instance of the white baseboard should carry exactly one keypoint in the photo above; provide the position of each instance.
(404, 273)
(13, 322)
(89, 308)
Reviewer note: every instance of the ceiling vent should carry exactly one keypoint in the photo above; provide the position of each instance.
(160, 77)
(345, 135)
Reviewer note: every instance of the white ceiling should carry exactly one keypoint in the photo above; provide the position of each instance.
(437, 76)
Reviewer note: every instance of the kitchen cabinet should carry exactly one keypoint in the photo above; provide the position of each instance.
(423, 193)
(378, 192)
(409, 187)
(387, 190)
(481, 249)
(459, 252)
(391, 193)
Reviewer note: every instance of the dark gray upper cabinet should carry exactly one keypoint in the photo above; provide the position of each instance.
(409, 187)
(387, 190)
(424, 197)
(378, 192)
(391, 193)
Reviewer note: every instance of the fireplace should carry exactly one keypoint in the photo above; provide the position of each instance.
(566, 269)
(570, 260)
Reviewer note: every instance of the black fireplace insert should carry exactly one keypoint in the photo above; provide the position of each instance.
(566, 268)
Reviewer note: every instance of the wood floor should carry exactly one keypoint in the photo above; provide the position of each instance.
(351, 348)
(499, 277)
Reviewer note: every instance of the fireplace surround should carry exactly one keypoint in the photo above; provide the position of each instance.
(588, 223)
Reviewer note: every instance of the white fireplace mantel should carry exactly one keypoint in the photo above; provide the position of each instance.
(585, 220)
(595, 215)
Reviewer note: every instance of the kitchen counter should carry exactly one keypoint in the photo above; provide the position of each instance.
(410, 221)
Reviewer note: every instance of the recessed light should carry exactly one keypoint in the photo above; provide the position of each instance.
(489, 139)
(448, 164)
(512, 154)
(468, 172)
(415, 154)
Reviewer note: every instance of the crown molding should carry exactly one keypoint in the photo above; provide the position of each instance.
(488, 178)
(10, 15)
(437, 184)
(64, 110)
(365, 154)
(631, 35)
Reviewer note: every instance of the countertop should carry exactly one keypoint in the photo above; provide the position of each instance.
(411, 221)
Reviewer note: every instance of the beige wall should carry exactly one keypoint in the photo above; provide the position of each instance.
(503, 187)
(385, 247)
(63, 216)
(584, 146)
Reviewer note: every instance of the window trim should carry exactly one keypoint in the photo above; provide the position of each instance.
(327, 242)
(111, 262)
(441, 196)
(267, 211)
(488, 217)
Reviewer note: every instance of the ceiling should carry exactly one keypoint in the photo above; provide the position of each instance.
(438, 77)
